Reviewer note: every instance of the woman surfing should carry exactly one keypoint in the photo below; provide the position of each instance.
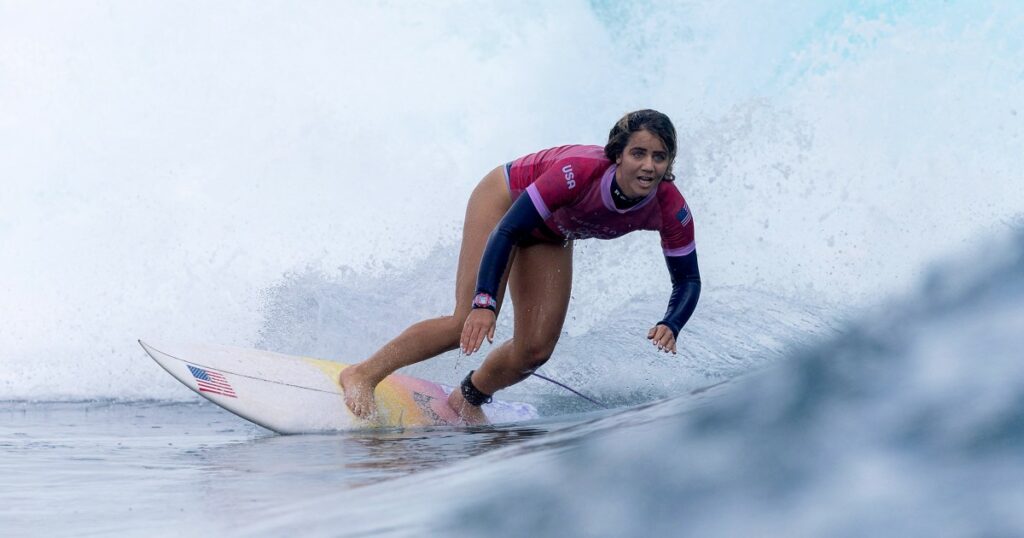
(521, 222)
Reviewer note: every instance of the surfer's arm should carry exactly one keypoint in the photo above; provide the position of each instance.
(521, 219)
(678, 244)
(517, 223)
(685, 291)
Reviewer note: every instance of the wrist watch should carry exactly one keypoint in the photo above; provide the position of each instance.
(484, 300)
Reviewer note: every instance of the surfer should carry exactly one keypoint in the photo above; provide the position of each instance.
(521, 222)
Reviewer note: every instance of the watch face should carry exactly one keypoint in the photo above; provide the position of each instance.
(482, 300)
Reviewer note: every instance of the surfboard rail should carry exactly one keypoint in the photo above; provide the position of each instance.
(289, 394)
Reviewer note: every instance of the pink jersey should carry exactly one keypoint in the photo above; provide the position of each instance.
(571, 188)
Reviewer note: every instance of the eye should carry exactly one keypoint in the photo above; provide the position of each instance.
(637, 153)
(658, 157)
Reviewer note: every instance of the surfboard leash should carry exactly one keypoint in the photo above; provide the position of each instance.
(572, 390)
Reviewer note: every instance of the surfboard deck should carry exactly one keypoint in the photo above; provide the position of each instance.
(289, 394)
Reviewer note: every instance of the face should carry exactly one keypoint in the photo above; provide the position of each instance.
(642, 164)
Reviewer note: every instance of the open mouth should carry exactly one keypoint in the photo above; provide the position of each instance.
(645, 181)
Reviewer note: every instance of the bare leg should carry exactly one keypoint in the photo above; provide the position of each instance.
(540, 282)
(487, 205)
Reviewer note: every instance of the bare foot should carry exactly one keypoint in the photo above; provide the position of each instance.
(358, 393)
(471, 415)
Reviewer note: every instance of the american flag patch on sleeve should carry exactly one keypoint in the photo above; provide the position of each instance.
(683, 216)
(212, 381)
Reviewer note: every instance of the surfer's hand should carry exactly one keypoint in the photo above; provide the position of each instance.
(661, 336)
(479, 324)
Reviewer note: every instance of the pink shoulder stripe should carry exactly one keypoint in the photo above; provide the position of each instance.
(538, 202)
(681, 251)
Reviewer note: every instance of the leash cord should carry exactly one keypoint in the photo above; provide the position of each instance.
(572, 390)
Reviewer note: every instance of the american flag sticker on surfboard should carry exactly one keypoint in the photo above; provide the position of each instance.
(212, 381)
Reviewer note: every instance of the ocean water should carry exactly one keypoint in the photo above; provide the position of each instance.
(293, 178)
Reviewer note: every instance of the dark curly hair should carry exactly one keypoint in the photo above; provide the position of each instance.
(653, 121)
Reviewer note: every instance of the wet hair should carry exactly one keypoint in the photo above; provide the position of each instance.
(653, 121)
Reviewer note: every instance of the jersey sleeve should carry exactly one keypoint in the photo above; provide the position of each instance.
(676, 223)
(560, 185)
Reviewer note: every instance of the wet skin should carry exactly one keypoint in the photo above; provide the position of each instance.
(539, 277)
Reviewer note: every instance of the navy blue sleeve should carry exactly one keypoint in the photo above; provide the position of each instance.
(521, 219)
(685, 291)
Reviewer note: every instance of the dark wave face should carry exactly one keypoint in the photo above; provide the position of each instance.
(909, 423)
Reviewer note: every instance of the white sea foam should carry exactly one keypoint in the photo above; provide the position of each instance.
(166, 167)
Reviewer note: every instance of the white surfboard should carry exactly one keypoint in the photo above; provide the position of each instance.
(290, 394)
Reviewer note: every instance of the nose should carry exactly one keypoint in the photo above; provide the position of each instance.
(648, 164)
